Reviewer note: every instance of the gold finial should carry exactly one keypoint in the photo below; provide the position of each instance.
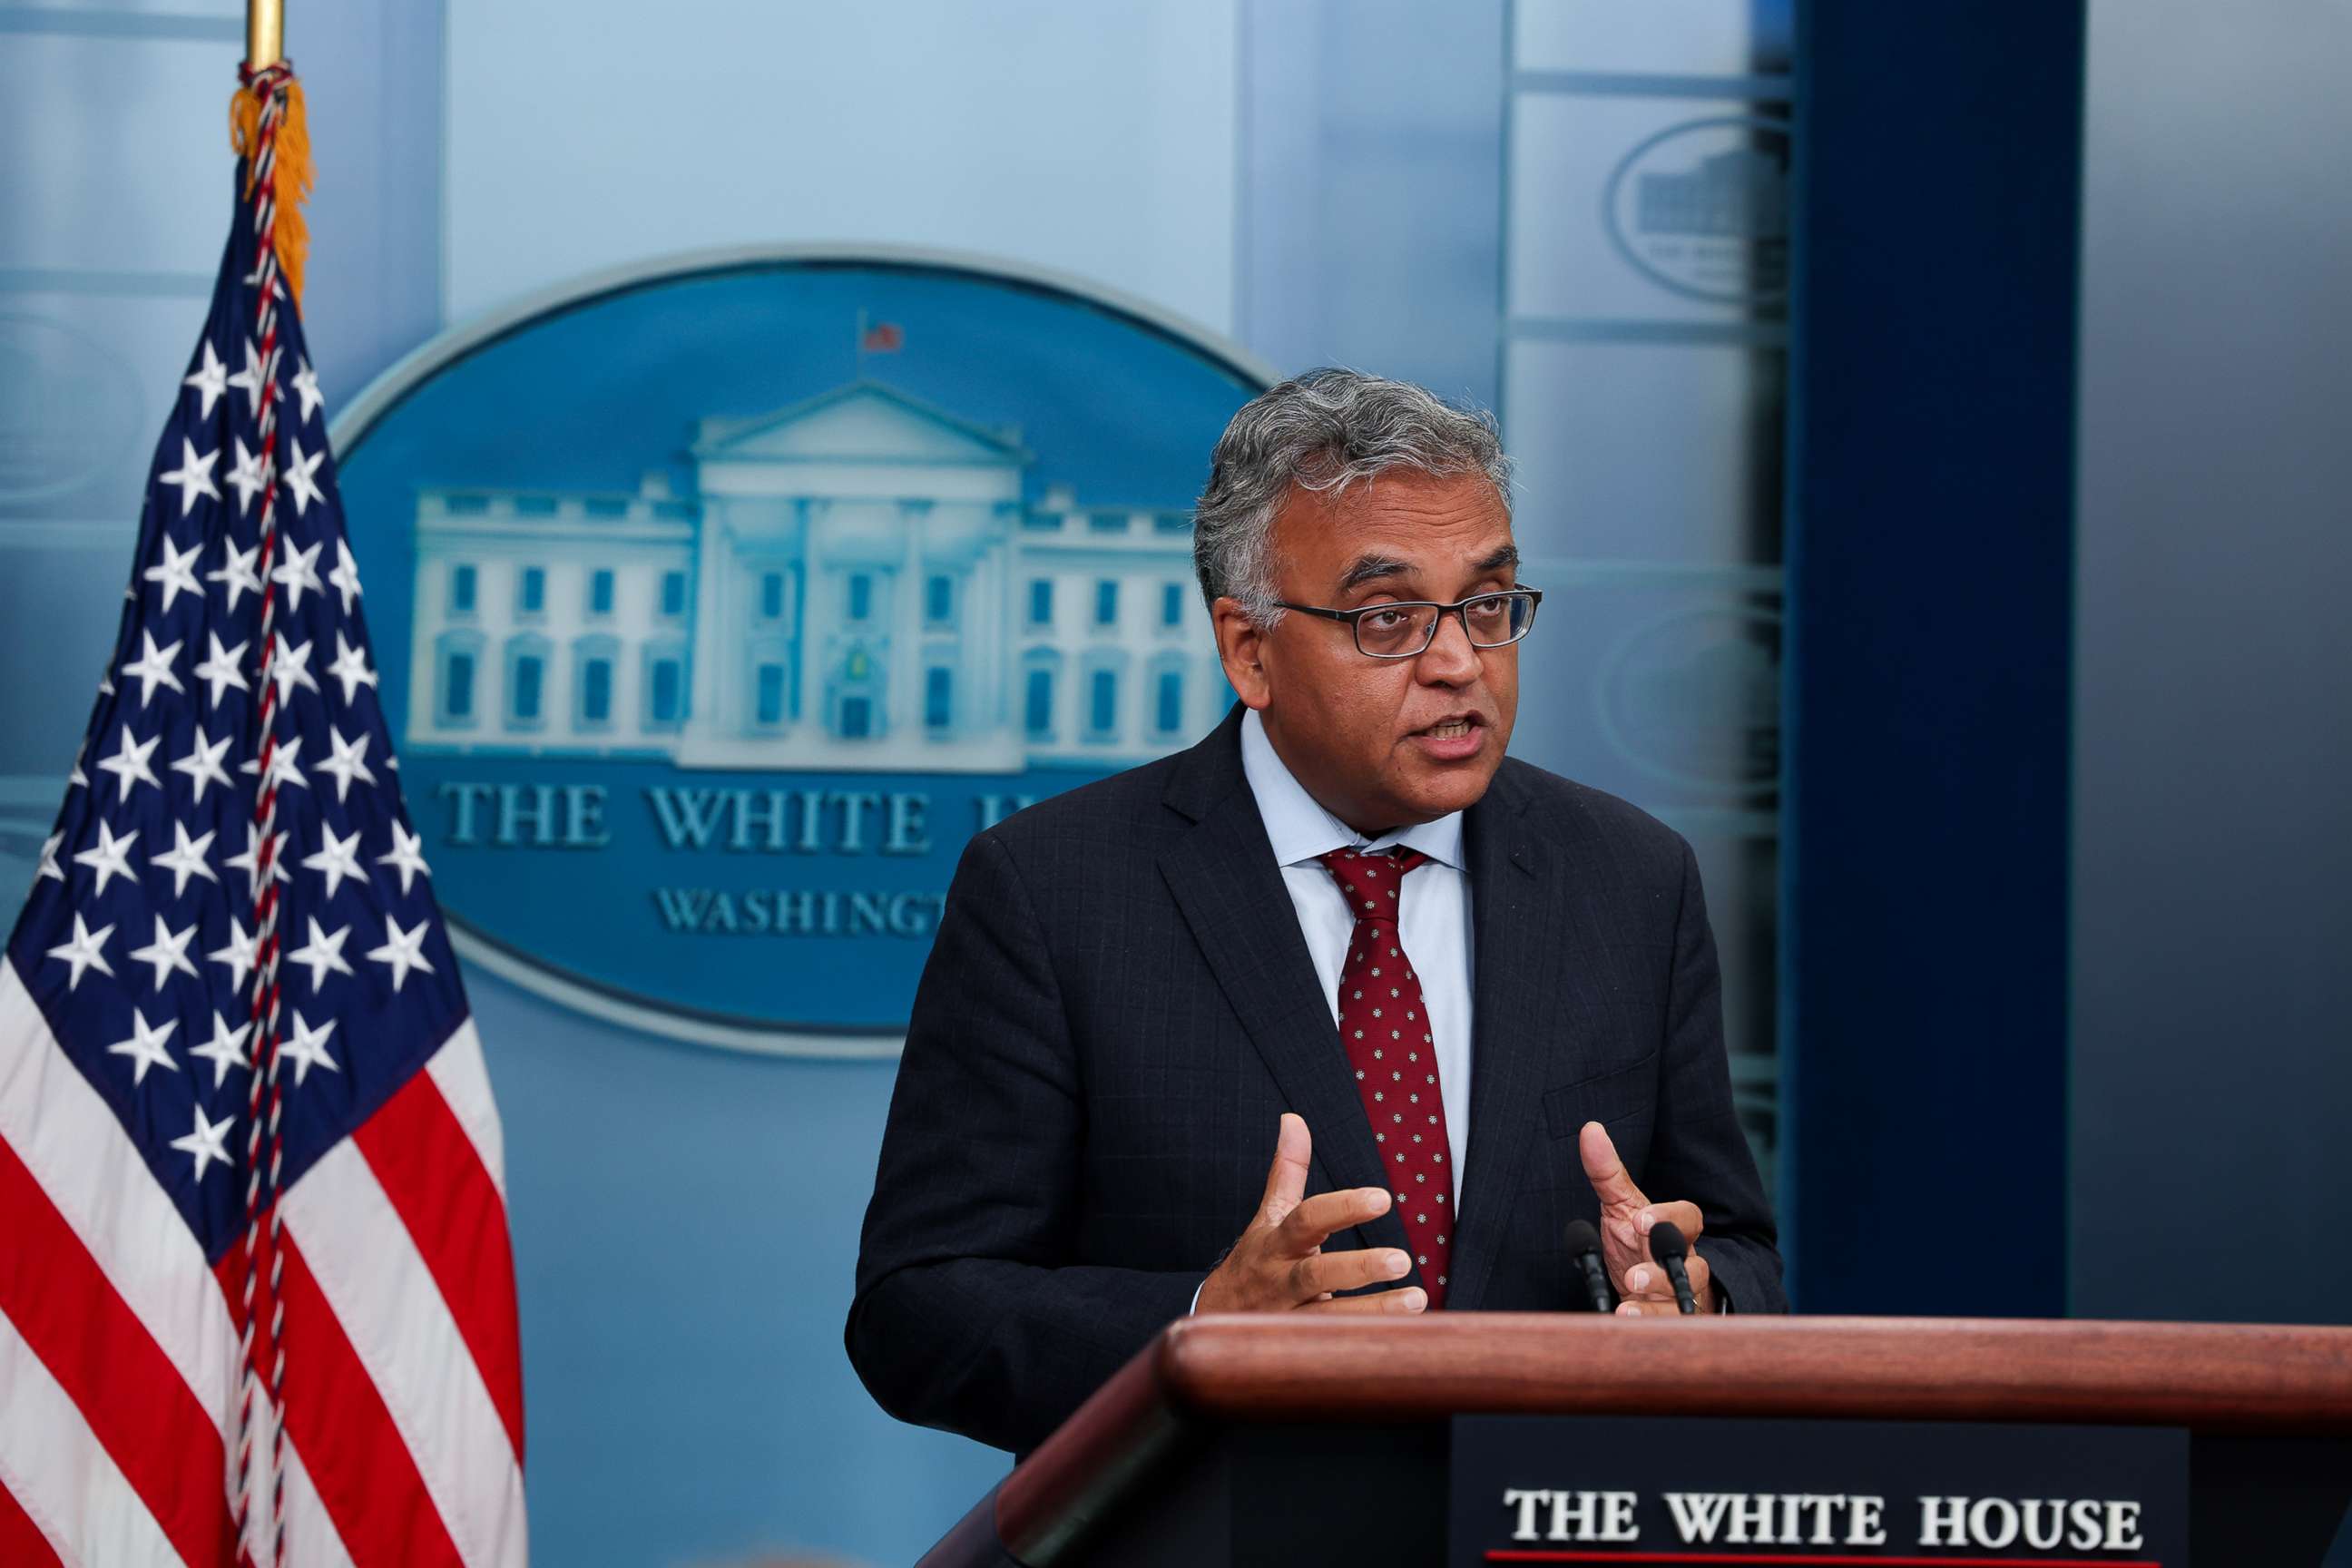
(265, 33)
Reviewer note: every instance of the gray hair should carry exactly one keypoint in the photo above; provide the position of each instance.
(1323, 431)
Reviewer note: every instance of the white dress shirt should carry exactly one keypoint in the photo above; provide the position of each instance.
(1433, 917)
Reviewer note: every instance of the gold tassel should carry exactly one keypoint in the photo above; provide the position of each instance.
(291, 174)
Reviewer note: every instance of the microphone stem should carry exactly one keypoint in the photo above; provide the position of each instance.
(1685, 1296)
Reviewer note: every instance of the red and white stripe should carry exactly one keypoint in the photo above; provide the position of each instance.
(118, 1344)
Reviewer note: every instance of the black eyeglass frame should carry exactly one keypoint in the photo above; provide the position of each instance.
(1460, 609)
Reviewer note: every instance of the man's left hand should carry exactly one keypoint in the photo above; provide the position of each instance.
(1626, 1218)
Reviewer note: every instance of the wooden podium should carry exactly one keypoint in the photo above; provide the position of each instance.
(1302, 1440)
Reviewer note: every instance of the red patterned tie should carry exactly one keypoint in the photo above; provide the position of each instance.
(1384, 1026)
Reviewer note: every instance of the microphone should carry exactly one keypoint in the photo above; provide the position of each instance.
(1584, 1245)
(1667, 1245)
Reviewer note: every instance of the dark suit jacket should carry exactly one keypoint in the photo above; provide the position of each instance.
(1118, 1007)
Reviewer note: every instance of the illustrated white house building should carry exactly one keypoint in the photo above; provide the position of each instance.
(855, 582)
(1742, 193)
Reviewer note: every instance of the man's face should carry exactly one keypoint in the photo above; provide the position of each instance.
(1382, 742)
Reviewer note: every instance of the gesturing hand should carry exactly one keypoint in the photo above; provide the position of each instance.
(1626, 1218)
(1279, 1264)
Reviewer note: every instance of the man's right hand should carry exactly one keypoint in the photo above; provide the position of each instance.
(1279, 1264)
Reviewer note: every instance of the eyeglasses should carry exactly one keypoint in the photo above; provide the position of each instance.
(1405, 630)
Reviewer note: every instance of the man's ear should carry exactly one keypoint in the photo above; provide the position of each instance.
(1241, 647)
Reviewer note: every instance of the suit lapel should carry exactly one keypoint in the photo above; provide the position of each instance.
(1226, 883)
(1516, 924)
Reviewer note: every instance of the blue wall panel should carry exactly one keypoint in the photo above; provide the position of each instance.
(685, 1229)
(2212, 852)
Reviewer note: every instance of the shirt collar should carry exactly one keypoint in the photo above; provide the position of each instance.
(1300, 828)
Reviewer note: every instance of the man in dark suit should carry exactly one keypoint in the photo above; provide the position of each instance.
(1243, 1029)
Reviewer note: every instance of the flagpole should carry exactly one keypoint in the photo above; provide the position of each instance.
(276, 110)
(265, 33)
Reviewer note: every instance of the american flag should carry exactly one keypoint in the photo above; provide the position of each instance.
(238, 1080)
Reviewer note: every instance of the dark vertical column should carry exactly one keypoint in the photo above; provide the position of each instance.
(1931, 425)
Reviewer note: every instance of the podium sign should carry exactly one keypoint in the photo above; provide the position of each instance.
(1279, 1440)
(1829, 1494)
